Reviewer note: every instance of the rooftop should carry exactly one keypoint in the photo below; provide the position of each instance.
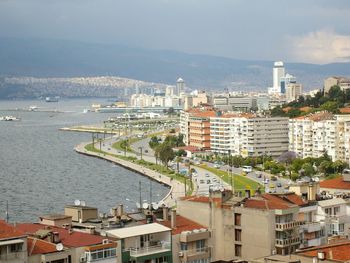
(137, 230)
(38, 246)
(337, 252)
(8, 231)
(182, 224)
(80, 206)
(67, 238)
(274, 201)
(332, 202)
(336, 183)
(54, 217)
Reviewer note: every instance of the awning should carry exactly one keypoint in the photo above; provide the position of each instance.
(11, 242)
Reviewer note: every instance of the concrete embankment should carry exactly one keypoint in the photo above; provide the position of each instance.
(176, 188)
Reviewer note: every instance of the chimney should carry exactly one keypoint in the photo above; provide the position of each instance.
(173, 218)
(247, 193)
(55, 237)
(120, 210)
(165, 213)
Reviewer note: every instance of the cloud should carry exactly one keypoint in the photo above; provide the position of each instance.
(324, 46)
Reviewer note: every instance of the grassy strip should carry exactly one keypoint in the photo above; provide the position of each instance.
(152, 166)
(120, 145)
(240, 182)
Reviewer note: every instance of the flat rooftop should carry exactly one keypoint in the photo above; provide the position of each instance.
(137, 230)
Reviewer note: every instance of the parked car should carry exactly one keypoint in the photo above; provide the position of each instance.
(273, 178)
(279, 185)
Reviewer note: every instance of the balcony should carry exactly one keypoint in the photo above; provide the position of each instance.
(312, 227)
(140, 252)
(190, 236)
(288, 225)
(194, 254)
(16, 256)
(287, 241)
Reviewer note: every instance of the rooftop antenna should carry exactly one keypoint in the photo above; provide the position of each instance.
(7, 211)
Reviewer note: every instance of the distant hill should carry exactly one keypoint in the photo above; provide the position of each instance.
(62, 58)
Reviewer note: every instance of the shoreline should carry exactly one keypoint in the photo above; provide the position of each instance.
(175, 186)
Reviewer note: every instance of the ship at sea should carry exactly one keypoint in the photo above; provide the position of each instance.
(52, 99)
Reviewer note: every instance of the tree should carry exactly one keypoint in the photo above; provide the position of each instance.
(308, 169)
(338, 166)
(154, 142)
(297, 164)
(287, 157)
(325, 167)
(331, 106)
(166, 153)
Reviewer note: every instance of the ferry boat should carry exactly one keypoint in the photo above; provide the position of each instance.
(9, 118)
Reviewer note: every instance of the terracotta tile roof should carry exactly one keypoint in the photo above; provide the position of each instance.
(67, 238)
(8, 231)
(337, 252)
(40, 246)
(317, 116)
(344, 110)
(275, 201)
(204, 114)
(336, 183)
(182, 224)
(101, 246)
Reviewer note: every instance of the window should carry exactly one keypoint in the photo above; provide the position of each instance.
(238, 235)
(328, 211)
(238, 250)
(200, 244)
(183, 246)
(341, 228)
(336, 210)
(237, 219)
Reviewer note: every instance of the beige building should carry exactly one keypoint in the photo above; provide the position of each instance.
(56, 220)
(80, 213)
(246, 229)
(342, 82)
(293, 91)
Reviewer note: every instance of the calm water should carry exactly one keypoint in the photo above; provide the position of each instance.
(40, 172)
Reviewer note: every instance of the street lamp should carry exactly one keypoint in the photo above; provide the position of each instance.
(141, 151)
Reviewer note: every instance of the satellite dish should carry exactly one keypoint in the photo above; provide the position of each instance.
(59, 247)
(155, 206)
(161, 203)
(77, 202)
(138, 205)
(144, 205)
(82, 203)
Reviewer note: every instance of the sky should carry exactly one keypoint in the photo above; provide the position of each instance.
(312, 31)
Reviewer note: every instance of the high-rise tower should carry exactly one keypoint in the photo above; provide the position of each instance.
(278, 73)
(180, 86)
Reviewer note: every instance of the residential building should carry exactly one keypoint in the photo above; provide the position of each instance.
(195, 126)
(235, 103)
(143, 243)
(319, 133)
(13, 244)
(56, 220)
(43, 251)
(247, 228)
(249, 135)
(342, 82)
(80, 213)
(79, 245)
(334, 213)
(293, 91)
(190, 240)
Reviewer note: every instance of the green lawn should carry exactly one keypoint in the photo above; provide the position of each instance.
(240, 182)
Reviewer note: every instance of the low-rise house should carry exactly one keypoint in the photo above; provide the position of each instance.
(143, 243)
(78, 243)
(81, 213)
(41, 251)
(13, 244)
(337, 185)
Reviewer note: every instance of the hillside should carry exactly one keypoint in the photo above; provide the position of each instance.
(61, 58)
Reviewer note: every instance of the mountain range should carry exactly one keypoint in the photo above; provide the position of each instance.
(47, 58)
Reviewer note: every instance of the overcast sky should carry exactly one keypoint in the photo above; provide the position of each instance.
(316, 31)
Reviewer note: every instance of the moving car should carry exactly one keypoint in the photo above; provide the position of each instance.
(247, 169)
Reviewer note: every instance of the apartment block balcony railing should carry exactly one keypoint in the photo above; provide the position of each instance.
(287, 241)
(288, 225)
(138, 252)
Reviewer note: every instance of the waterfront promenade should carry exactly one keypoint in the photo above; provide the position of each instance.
(177, 189)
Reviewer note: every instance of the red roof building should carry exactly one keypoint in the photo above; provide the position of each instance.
(338, 252)
(337, 184)
(67, 237)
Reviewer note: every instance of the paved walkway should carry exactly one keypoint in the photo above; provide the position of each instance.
(177, 189)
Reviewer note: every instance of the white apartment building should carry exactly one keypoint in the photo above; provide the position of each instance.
(184, 119)
(315, 134)
(249, 135)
